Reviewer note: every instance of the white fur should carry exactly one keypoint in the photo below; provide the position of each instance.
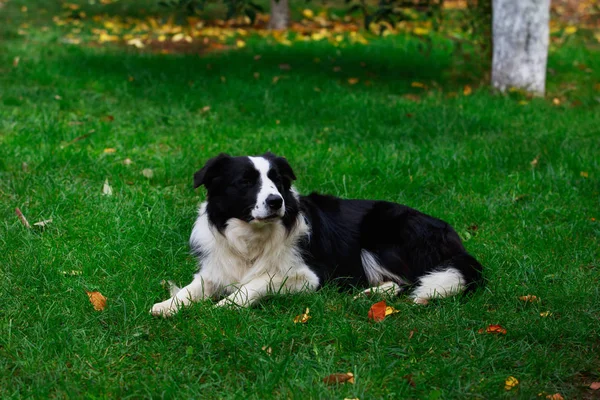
(246, 261)
(375, 272)
(441, 283)
(267, 188)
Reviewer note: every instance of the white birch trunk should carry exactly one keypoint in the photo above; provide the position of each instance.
(280, 15)
(521, 34)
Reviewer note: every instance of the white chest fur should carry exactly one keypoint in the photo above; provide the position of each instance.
(246, 251)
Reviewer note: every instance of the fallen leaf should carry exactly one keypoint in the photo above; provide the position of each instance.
(545, 314)
(569, 30)
(556, 101)
(529, 298)
(256, 75)
(275, 79)
(57, 97)
(420, 31)
(510, 383)
(110, 150)
(205, 109)
(412, 97)
(71, 273)
(377, 312)
(106, 189)
(43, 223)
(178, 37)
(390, 310)
(25, 167)
(137, 42)
(109, 118)
(240, 43)
(584, 174)
(97, 300)
(535, 161)
(353, 81)
(267, 349)
(285, 67)
(316, 89)
(148, 173)
(555, 396)
(308, 13)
(302, 318)
(16, 61)
(22, 218)
(337, 69)
(339, 378)
(411, 334)
(595, 385)
(127, 161)
(467, 90)
(418, 85)
(494, 329)
(409, 379)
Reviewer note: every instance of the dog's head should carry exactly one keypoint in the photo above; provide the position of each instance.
(252, 189)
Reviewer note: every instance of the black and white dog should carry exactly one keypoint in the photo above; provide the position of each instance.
(255, 235)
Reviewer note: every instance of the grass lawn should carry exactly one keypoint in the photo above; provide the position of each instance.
(518, 178)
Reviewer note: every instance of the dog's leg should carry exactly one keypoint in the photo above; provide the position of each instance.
(248, 293)
(437, 284)
(388, 288)
(199, 289)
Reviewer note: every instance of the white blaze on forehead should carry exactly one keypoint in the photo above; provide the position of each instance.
(267, 187)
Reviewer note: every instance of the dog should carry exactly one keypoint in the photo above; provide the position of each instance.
(256, 235)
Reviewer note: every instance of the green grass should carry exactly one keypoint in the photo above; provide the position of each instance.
(465, 159)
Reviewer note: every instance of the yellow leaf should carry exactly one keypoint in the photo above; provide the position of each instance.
(510, 383)
(302, 318)
(467, 90)
(177, 37)
(240, 43)
(420, 31)
(308, 13)
(390, 310)
(529, 298)
(105, 37)
(584, 174)
(545, 314)
(162, 38)
(556, 101)
(353, 81)
(418, 84)
(97, 300)
(110, 150)
(569, 30)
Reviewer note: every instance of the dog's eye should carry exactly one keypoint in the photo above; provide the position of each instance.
(245, 182)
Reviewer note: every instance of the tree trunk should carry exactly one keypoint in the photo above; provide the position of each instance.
(280, 15)
(521, 34)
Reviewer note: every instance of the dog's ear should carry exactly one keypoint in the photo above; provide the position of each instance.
(210, 170)
(282, 165)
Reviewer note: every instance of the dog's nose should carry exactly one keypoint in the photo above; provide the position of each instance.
(274, 202)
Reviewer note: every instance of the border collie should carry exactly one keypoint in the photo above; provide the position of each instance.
(256, 235)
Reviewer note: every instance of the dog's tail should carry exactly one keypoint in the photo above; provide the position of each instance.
(461, 272)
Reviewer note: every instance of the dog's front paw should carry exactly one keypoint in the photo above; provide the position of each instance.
(164, 309)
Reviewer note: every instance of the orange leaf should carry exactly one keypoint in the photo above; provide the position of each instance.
(555, 396)
(377, 311)
(302, 318)
(496, 329)
(97, 300)
(353, 81)
(339, 378)
(595, 385)
(529, 298)
(467, 90)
